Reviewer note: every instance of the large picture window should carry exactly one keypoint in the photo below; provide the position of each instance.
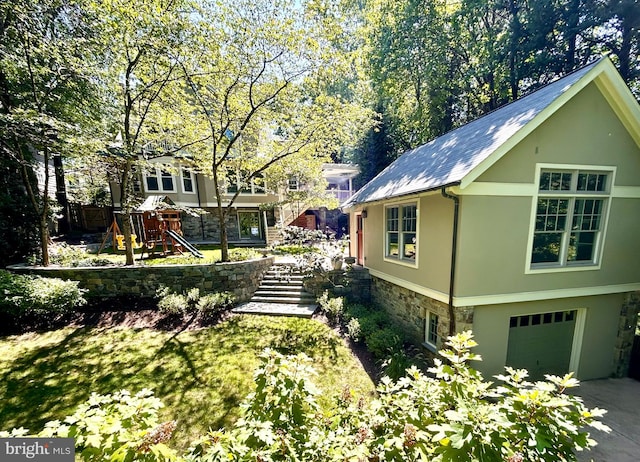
(570, 218)
(401, 232)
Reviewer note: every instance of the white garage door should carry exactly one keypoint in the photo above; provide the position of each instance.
(541, 343)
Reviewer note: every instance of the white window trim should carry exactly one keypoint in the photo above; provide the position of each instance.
(427, 327)
(608, 196)
(158, 174)
(193, 180)
(399, 260)
(242, 192)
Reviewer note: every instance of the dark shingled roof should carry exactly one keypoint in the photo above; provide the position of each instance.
(447, 159)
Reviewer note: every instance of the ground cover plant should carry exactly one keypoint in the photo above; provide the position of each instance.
(200, 375)
(453, 416)
(75, 256)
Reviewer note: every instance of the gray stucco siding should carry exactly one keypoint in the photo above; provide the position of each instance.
(598, 332)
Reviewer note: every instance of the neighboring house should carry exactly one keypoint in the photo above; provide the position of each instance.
(537, 204)
(253, 219)
(339, 178)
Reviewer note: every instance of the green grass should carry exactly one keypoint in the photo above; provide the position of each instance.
(201, 375)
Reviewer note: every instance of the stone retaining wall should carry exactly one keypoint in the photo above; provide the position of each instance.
(409, 309)
(354, 284)
(240, 278)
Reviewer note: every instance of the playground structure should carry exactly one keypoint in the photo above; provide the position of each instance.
(152, 228)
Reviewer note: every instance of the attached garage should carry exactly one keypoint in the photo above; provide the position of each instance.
(542, 342)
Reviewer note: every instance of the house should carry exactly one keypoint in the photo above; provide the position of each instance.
(258, 213)
(522, 225)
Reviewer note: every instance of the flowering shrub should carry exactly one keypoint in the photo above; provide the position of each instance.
(453, 416)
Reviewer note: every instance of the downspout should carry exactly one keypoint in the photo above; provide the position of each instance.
(454, 251)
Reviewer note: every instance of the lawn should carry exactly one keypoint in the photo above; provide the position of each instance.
(200, 375)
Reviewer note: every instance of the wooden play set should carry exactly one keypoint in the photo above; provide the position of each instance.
(152, 227)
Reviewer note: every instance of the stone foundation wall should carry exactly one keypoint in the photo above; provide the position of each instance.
(354, 284)
(192, 227)
(240, 278)
(626, 334)
(409, 309)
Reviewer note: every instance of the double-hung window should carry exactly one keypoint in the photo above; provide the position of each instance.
(187, 181)
(159, 180)
(401, 232)
(570, 217)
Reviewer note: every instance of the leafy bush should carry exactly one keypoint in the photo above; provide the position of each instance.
(332, 307)
(383, 342)
(293, 249)
(174, 304)
(297, 235)
(191, 301)
(243, 253)
(454, 416)
(22, 295)
(212, 304)
(115, 427)
(354, 332)
(69, 256)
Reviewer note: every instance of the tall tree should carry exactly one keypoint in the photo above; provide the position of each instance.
(45, 50)
(145, 40)
(257, 100)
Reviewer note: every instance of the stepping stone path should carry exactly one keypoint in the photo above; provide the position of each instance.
(281, 293)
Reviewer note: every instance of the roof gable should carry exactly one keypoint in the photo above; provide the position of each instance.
(460, 156)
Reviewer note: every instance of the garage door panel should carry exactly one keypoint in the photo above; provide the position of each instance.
(541, 343)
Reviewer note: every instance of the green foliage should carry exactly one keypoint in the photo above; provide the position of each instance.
(333, 307)
(292, 249)
(70, 256)
(453, 416)
(22, 295)
(354, 331)
(191, 301)
(382, 342)
(243, 253)
(118, 427)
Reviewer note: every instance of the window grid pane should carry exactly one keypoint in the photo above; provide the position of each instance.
(567, 230)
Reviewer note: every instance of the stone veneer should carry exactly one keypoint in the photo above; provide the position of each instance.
(409, 309)
(626, 334)
(207, 228)
(240, 278)
(354, 284)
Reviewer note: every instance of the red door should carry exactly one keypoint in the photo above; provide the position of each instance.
(360, 239)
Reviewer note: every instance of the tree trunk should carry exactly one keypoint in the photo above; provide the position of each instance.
(44, 238)
(224, 238)
(125, 205)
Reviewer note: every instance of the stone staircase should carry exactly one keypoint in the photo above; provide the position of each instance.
(281, 293)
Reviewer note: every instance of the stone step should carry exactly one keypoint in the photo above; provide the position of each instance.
(281, 293)
(282, 299)
(283, 287)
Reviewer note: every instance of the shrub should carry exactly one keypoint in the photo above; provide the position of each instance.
(454, 416)
(383, 342)
(115, 427)
(174, 304)
(66, 255)
(22, 295)
(242, 254)
(332, 307)
(293, 249)
(212, 304)
(354, 332)
(191, 301)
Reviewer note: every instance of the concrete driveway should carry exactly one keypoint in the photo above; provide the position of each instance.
(621, 398)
